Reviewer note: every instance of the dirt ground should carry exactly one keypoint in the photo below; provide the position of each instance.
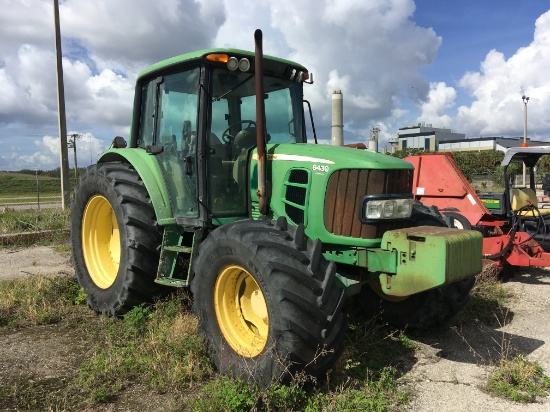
(447, 374)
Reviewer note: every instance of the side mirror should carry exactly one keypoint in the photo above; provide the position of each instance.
(118, 143)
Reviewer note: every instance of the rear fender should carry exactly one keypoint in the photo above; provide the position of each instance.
(147, 167)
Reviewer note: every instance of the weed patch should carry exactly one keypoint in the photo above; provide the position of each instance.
(519, 380)
(37, 300)
(50, 225)
(228, 395)
(35, 395)
(157, 347)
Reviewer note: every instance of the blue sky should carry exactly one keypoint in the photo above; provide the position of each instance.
(470, 29)
(457, 64)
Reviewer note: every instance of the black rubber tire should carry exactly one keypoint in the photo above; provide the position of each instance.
(458, 221)
(426, 216)
(304, 306)
(425, 309)
(140, 238)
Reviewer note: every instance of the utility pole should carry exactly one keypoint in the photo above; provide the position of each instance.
(37, 189)
(63, 152)
(71, 144)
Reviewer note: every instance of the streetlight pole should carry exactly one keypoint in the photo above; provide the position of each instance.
(524, 144)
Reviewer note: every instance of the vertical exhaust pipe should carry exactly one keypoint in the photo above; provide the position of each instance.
(260, 121)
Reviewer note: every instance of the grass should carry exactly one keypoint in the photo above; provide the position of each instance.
(519, 380)
(155, 350)
(44, 226)
(515, 378)
(364, 378)
(24, 185)
(158, 348)
(32, 220)
(37, 300)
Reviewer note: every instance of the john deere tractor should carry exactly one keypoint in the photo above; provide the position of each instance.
(220, 191)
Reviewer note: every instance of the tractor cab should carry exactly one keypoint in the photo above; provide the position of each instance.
(199, 121)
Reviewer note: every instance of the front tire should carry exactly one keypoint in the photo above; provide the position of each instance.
(421, 311)
(266, 301)
(114, 239)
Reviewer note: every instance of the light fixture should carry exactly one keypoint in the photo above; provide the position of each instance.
(244, 64)
(232, 63)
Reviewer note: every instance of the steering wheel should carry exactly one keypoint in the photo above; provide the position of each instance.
(226, 137)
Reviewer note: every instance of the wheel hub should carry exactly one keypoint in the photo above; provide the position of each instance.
(101, 241)
(241, 311)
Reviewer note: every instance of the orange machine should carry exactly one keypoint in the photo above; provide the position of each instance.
(516, 230)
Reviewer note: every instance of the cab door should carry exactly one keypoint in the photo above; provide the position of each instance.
(169, 124)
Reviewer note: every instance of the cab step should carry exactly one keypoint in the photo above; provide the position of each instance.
(177, 283)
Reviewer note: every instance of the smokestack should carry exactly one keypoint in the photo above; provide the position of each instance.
(373, 142)
(337, 118)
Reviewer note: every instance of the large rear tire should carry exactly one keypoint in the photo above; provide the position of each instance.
(114, 239)
(266, 301)
(425, 309)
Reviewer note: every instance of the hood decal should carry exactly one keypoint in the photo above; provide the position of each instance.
(294, 158)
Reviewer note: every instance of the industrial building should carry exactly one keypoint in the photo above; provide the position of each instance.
(425, 137)
(445, 140)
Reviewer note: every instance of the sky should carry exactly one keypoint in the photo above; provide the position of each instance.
(457, 64)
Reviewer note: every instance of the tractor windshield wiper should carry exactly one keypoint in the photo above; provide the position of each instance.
(217, 99)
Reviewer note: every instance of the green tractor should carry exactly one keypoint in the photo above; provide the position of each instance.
(219, 191)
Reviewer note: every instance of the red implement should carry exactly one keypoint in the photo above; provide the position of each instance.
(439, 182)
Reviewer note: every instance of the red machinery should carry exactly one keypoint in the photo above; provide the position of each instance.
(515, 229)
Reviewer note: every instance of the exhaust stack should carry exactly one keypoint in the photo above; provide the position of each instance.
(260, 121)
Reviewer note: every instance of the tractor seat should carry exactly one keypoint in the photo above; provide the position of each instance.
(521, 197)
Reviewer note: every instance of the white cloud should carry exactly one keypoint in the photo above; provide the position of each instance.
(25, 22)
(46, 156)
(372, 51)
(498, 86)
(129, 34)
(440, 98)
(26, 94)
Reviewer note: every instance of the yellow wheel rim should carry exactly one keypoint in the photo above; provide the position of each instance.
(101, 241)
(241, 311)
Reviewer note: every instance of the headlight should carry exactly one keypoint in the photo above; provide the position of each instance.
(377, 208)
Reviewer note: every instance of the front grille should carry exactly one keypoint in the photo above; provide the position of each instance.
(345, 190)
(296, 195)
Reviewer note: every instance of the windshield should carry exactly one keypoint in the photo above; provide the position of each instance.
(234, 107)
(233, 132)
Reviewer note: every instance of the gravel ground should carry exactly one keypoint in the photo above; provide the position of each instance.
(452, 366)
(37, 260)
(447, 374)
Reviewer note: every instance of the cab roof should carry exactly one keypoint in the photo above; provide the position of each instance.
(200, 54)
(529, 155)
